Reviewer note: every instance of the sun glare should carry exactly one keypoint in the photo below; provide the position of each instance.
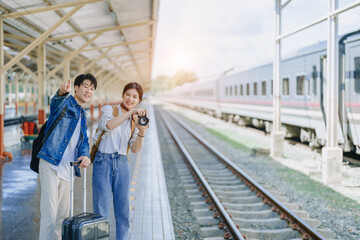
(180, 61)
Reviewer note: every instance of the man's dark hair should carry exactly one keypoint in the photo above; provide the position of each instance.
(79, 79)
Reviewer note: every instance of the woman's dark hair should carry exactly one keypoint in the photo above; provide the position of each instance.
(135, 86)
(82, 77)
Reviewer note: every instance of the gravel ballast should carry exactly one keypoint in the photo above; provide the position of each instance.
(335, 212)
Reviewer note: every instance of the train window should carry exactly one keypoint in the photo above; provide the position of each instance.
(286, 87)
(272, 87)
(255, 88)
(226, 91)
(230, 90)
(248, 89)
(263, 88)
(357, 74)
(241, 90)
(300, 85)
(235, 90)
(314, 77)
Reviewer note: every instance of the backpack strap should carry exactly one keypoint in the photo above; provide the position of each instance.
(115, 114)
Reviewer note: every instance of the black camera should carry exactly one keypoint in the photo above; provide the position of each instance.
(143, 120)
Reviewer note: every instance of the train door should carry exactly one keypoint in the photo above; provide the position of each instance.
(323, 81)
(353, 90)
(324, 98)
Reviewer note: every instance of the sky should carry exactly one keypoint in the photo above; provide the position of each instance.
(209, 37)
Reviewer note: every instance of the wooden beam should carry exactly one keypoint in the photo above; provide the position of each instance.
(127, 53)
(100, 30)
(22, 66)
(36, 42)
(47, 8)
(117, 44)
(93, 62)
(22, 38)
(72, 55)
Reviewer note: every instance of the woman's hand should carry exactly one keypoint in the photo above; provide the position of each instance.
(139, 112)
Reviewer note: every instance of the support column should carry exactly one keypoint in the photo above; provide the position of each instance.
(33, 92)
(277, 136)
(26, 92)
(16, 94)
(66, 74)
(81, 66)
(41, 83)
(10, 84)
(3, 154)
(92, 112)
(332, 153)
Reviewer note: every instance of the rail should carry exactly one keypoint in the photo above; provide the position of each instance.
(228, 220)
(295, 222)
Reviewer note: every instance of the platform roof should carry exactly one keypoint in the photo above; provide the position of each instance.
(114, 39)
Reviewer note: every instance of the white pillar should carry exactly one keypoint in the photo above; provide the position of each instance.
(10, 84)
(277, 136)
(41, 67)
(17, 78)
(26, 90)
(66, 73)
(332, 153)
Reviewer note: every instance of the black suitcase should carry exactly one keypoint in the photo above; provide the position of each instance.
(85, 225)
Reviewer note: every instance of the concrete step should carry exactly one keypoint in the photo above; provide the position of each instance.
(207, 221)
(246, 207)
(260, 223)
(228, 188)
(203, 212)
(249, 199)
(221, 178)
(196, 198)
(211, 232)
(253, 214)
(278, 234)
(199, 205)
(327, 233)
(226, 182)
(241, 193)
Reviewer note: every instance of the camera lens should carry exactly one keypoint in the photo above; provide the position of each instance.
(143, 120)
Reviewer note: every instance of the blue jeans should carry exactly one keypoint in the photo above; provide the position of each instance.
(111, 174)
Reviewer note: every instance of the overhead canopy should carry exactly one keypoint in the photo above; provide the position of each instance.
(113, 39)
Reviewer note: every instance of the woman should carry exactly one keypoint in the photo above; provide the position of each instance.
(111, 173)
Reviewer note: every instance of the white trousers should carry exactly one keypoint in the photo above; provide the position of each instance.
(54, 202)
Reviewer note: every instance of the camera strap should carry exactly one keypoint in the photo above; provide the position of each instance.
(133, 125)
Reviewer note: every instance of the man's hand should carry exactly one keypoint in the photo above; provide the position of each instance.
(65, 87)
(85, 161)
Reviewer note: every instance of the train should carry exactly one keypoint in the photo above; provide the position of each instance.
(245, 97)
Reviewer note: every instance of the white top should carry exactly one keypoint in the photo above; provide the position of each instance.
(64, 169)
(117, 139)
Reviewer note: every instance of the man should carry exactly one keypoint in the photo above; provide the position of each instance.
(68, 142)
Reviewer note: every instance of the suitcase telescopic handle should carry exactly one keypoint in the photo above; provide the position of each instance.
(72, 164)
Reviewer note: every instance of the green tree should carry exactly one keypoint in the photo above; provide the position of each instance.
(160, 83)
(182, 77)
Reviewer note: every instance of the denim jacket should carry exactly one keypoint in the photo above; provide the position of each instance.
(54, 147)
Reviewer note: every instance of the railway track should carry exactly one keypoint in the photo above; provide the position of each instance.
(243, 208)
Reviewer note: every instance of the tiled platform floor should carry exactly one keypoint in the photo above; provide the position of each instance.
(20, 193)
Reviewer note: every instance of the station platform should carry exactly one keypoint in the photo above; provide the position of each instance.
(20, 193)
(10, 111)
